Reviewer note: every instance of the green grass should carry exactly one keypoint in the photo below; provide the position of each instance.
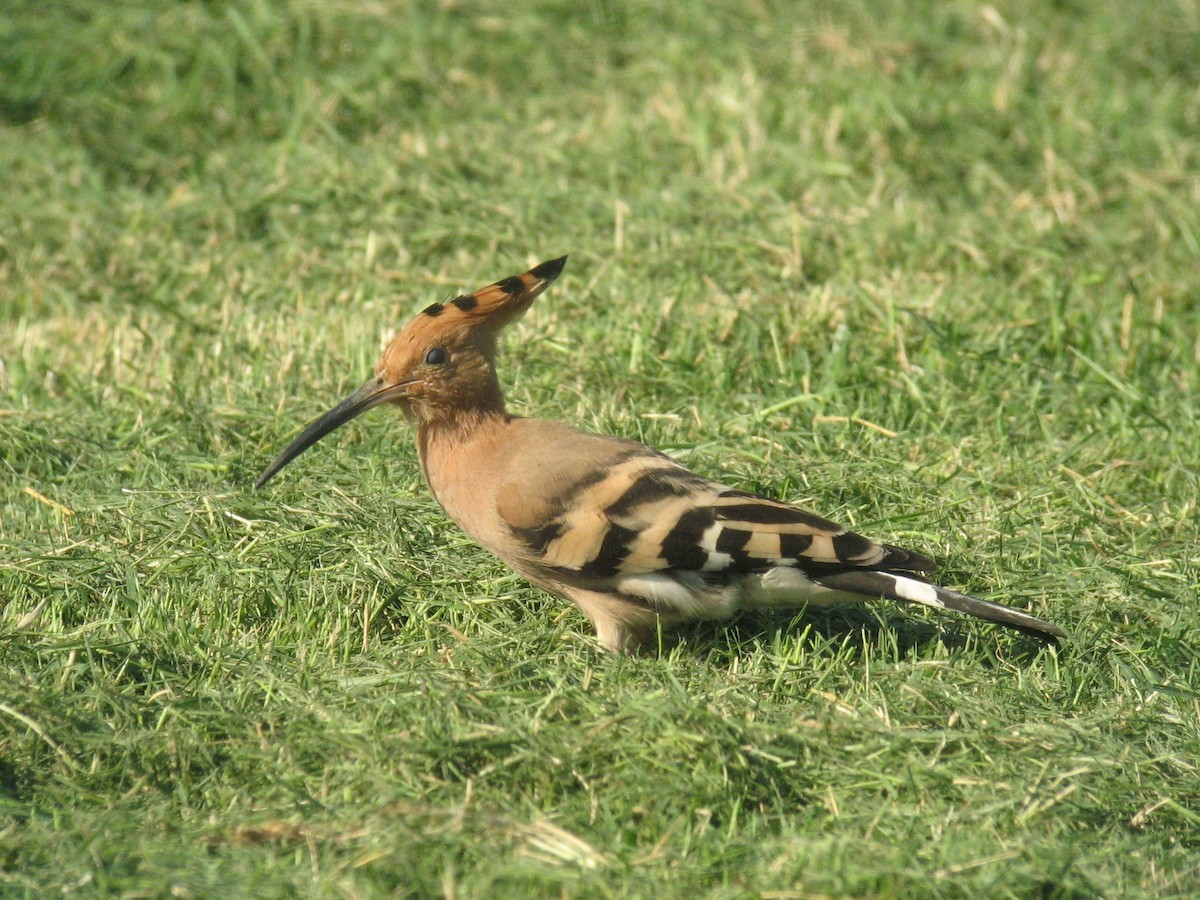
(974, 227)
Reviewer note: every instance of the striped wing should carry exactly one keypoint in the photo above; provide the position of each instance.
(655, 533)
(647, 514)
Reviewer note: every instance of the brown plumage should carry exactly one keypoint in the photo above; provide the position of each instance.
(630, 535)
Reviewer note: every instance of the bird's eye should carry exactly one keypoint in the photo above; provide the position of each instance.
(436, 356)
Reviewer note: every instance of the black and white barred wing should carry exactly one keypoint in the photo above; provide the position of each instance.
(650, 530)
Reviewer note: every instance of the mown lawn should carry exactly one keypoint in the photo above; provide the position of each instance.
(932, 269)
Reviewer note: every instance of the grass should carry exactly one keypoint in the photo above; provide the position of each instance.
(930, 269)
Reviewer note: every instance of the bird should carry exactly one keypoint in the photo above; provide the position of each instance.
(636, 540)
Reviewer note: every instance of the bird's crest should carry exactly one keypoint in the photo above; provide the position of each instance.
(470, 320)
(496, 305)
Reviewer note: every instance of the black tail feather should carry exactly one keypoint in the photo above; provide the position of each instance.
(911, 589)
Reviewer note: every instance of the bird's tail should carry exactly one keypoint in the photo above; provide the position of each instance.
(908, 589)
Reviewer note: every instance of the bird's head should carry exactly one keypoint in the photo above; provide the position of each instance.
(441, 364)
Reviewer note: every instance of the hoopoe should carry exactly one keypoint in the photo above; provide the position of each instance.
(636, 540)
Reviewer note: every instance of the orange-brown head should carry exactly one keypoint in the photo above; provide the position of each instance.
(441, 365)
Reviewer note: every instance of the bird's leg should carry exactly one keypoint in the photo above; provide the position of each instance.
(621, 626)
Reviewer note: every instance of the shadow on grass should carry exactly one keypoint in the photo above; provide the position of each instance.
(857, 632)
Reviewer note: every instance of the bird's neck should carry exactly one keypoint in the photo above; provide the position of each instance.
(460, 426)
(453, 452)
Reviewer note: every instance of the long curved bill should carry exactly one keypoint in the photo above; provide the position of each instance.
(370, 395)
